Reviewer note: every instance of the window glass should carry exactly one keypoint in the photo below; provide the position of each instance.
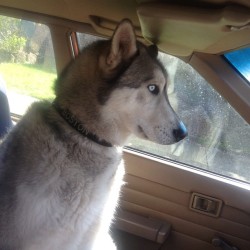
(27, 63)
(240, 60)
(218, 138)
(85, 39)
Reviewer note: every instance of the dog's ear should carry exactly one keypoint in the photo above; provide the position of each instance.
(153, 50)
(123, 44)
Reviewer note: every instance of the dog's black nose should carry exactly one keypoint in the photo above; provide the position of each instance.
(180, 133)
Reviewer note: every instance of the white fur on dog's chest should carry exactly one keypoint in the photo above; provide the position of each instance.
(94, 217)
(86, 209)
(100, 189)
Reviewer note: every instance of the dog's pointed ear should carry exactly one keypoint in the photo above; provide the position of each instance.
(123, 44)
(153, 50)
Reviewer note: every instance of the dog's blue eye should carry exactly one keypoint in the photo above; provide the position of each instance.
(153, 89)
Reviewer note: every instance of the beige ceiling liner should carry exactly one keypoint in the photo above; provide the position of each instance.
(178, 29)
(181, 30)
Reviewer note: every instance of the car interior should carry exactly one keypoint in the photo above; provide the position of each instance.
(192, 195)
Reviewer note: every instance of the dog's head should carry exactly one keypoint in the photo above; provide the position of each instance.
(118, 87)
(139, 98)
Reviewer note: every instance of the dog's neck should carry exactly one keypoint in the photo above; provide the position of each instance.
(79, 126)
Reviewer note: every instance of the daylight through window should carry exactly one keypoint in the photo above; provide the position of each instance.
(27, 63)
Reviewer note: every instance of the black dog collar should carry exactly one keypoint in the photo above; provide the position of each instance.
(78, 126)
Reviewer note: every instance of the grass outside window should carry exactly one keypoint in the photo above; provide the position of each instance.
(29, 80)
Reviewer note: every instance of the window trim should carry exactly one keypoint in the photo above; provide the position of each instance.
(74, 44)
(187, 167)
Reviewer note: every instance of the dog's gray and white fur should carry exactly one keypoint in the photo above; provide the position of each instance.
(58, 188)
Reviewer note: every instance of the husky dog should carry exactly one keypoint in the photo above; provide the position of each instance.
(61, 167)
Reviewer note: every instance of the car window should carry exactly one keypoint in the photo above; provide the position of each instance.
(86, 39)
(240, 60)
(218, 138)
(27, 63)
